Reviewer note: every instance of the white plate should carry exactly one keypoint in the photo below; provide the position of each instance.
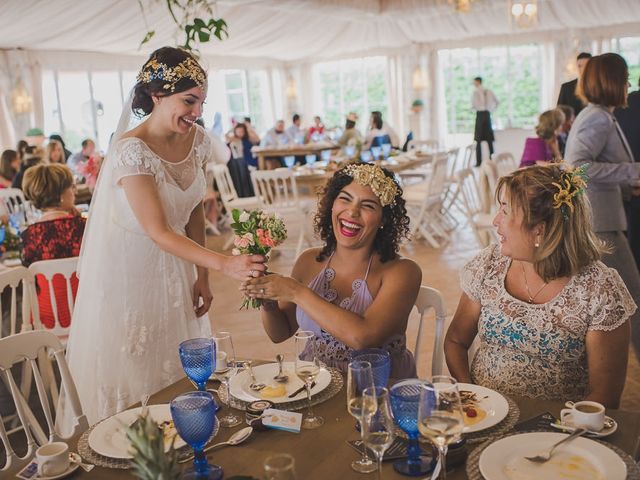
(109, 438)
(491, 402)
(239, 384)
(570, 427)
(504, 459)
(72, 468)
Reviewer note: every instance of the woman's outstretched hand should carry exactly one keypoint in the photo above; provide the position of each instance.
(271, 287)
(242, 267)
(202, 293)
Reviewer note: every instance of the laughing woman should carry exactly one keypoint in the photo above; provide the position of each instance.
(356, 291)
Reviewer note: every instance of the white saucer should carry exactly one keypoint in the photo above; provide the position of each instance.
(568, 426)
(72, 468)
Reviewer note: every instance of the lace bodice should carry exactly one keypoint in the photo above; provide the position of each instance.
(539, 350)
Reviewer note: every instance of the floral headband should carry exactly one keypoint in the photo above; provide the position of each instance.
(573, 182)
(188, 68)
(385, 188)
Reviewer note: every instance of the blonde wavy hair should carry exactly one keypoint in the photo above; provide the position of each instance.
(568, 243)
(548, 123)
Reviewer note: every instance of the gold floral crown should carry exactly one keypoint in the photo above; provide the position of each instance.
(573, 182)
(385, 188)
(188, 68)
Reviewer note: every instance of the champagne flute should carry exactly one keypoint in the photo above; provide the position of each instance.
(359, 378)
(440, 416)
(380, 428)
(307, 369)
(226, 368)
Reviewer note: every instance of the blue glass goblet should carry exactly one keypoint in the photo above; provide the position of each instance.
(365, 156)
(289, 161)
(405, 399)
(194, 416)
(376, 151)
(380, 364)
(198, 357)
(386, 149)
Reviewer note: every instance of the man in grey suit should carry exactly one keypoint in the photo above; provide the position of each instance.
(568, 89)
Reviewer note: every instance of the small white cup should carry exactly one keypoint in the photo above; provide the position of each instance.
(53, 459)
(586, 414)
(221, 361)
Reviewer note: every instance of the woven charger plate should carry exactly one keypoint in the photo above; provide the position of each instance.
(505, 425)
(335, 385)
(87, 453)
(473, 461)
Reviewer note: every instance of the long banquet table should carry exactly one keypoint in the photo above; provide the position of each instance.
(324, 454)
(288, 150)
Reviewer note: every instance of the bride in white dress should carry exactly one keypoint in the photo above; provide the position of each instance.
(139, 294)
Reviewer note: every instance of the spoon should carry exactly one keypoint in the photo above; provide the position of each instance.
(255, 385)
(235, 439)
(75, 458)
(280, 377)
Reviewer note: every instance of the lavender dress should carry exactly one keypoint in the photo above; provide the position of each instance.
(332, 351)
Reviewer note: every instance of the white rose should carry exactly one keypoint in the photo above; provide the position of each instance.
(244, 217)
(235, 252)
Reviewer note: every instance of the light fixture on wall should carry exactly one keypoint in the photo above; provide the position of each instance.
(21, 101)
(419, 79)
(461, 5)
(290, 90)
(523, 14)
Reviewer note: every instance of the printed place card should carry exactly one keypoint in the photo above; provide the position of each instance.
(29, 472)
(282, 420)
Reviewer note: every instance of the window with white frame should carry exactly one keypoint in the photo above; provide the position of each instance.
(354, 85)
(513, 73)
(629, 48)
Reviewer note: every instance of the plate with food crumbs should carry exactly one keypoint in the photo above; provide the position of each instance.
(482, 407)
(580, 459)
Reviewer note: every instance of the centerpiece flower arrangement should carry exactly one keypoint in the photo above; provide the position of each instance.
(10, 240)
(256, 232)
(90, 170)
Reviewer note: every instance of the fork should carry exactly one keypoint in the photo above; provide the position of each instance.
(543, 457)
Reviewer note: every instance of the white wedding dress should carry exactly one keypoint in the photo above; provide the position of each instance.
(134, 304)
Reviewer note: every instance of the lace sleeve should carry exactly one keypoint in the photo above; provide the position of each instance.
(474, 272)
(203, 148)
(132, 158)
(610, 303)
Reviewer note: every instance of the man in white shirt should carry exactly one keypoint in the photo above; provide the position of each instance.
(483, 101)
(294, 131)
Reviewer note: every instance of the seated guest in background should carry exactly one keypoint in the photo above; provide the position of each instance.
(253, 135)
(356, 291)
(9, 167)
(241, 157)
(294, 131)
(67, 152)
(544, 148)
(568, 95)
(55, 152)
(378, 128)
(56, 234)
(565, 128)
(316, 128)
(553, 320)
(88, 149)
(22, 148)
(351, 134)
(32, 157)
(276, 137)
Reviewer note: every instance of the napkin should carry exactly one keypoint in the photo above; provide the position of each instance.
(539, 422)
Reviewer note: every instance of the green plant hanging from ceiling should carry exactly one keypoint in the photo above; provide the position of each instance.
(187, 16)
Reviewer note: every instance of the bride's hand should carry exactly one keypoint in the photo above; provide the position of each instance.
(202, 291)
(243, 266)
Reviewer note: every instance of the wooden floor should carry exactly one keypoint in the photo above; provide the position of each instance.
(440, 269)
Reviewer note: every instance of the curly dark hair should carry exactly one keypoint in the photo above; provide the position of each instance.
(395, 221)
(142, 103)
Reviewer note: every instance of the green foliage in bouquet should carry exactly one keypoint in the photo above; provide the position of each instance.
(150, 461)
(10, 241)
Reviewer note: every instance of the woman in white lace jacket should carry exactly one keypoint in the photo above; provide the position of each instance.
(552, 319)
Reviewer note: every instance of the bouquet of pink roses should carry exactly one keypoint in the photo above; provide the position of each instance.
(256, 232)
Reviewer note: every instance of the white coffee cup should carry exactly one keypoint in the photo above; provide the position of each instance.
(586, 414)
(53, 459)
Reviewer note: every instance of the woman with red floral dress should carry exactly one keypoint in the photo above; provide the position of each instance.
(57, 234)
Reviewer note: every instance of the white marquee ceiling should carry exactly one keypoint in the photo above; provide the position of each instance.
(289, 30)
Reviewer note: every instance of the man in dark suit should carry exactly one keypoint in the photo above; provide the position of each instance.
(568, 90)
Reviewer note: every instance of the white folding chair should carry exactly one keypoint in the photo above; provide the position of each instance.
(425, 202)
(13, 202)
(469, 156)
(481, 222)
(278, 193)
(431, 298)
(28, 347)
(229, 196)
(487, 186)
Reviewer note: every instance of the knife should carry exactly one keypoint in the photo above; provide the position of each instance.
(301, 389)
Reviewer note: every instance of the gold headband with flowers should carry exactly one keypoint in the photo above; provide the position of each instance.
(188, 68)
(385, 188)
(573, 182)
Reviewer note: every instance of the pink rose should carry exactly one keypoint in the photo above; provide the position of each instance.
(241, 242)
(264, 236)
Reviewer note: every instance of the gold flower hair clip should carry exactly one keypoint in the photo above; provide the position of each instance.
(385, 188)
(573, 182)
(188, 68)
